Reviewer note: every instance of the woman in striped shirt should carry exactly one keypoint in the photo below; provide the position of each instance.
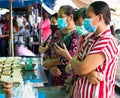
(98, 53)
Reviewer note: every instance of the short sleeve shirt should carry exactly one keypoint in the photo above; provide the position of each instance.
(106, 43)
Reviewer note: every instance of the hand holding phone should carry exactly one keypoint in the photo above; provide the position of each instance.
(60, 44)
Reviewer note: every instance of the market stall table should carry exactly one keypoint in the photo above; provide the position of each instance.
(36, 76)
(45, 92)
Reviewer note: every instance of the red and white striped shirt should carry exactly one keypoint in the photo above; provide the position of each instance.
(105, 43)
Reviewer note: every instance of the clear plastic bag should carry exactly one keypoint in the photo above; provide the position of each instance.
(24, 91)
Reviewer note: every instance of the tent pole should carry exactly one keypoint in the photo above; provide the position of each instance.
(11, 32)
(40, 30)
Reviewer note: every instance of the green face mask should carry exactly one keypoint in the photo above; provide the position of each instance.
(81, 30)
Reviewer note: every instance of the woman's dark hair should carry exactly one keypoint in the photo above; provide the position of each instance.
(112, 30)
(54, 15)
(68, 10)
(2, 20)
(45, 15)
(80, 13)
(100, 7)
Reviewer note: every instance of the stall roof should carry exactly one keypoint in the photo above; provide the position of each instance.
(82, 3)
(25, 3)
(58, 4)
(17, 3)
(21, 6)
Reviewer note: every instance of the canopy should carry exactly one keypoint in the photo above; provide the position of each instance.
(82, 3)
(25, 3)
(58, 4)
(17, 3)
(3, 11)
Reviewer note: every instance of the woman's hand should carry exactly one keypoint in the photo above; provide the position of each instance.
(46, 64)
(55, 71)
(43, 49)
(95, 77)
(49, 63)
(68, 68)
(62, 51)
(6, 35)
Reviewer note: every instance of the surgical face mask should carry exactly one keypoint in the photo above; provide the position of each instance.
(81, 30)
(62, 24)
(88, 25)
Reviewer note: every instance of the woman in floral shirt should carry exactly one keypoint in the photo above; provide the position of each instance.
(67, 35)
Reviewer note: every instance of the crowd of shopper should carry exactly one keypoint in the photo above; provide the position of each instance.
(22, 26)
